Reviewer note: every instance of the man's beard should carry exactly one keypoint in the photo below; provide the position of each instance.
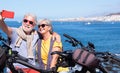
(27, 29)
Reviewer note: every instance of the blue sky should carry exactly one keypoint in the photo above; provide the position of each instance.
(61, 8)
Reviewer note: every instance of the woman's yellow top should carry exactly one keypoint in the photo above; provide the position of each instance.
(45, 45)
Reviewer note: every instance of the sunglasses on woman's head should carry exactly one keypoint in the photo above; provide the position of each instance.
(42, 25)
(30, 22)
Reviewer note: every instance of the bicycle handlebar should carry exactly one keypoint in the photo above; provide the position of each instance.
(24, 61)
(19, 57)
(16, 58)
(73, 40)
(63, 54)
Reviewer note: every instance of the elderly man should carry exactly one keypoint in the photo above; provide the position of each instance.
(22, 38)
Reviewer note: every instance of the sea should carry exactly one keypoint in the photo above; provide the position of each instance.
(104, 35)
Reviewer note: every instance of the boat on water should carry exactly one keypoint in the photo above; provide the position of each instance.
(88, 23)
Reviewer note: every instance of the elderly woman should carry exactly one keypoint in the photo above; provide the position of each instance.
(48, 44)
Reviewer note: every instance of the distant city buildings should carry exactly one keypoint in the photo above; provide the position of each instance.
(100, 18)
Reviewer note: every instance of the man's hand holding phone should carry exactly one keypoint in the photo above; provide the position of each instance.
(7, 14)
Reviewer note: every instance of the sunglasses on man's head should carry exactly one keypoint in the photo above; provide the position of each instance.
(30, 22)
(42, 25)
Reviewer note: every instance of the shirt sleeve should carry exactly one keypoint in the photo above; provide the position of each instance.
(57, 44)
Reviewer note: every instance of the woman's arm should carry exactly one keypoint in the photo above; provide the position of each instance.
(55, 57)
(56, 47)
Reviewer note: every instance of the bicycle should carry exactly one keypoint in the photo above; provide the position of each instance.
(107, 62)
(8, 57)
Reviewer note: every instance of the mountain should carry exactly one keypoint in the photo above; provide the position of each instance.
(113, 14)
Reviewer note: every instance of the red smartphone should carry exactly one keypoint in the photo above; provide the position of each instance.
(7, 14)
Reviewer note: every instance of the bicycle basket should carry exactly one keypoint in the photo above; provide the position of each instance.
(85, 58)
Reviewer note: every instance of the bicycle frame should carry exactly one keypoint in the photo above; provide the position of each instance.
(65, 58)
(14, 57)
(104, 57)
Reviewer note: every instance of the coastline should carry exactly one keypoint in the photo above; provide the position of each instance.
(99, 18)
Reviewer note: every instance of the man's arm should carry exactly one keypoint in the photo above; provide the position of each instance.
(4, 27)
(57, 37)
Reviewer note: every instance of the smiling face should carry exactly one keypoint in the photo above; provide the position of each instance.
(28, 23)
(44, 27)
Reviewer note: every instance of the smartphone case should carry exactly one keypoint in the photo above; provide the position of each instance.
(7, 14)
